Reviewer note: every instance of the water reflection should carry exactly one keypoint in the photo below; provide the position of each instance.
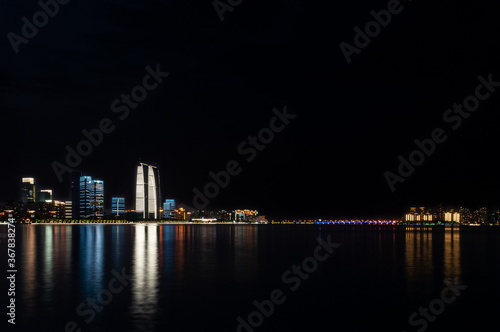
(29, 265)
(166, 250)
(178, 271)
(118, 247)
(418, 253)
(145, 272)
(245, 246)
(92, 260)
(182, 246)
(452, 263)
(427, 261)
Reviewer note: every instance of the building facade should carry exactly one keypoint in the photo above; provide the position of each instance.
(148, 197)
(118, 206)
(97, 199)
(68, 210)
(169, 209)
(45, 196)
(28, 192)
(91, 199)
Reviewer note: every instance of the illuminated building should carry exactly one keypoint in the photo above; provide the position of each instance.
(482, 215)
(148, 195)
(68, 211)
(85, 196)
(466, 216)
(45, 196)
(452, 217)
(97, 199)
(447, 216)
(28, 190)
(91, 200)
(118, 206)
(59, 210)
(241, 215)
(421, 215)
(169, 209)
(182, 214)
(410, 217)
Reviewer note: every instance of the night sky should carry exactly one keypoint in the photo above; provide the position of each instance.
(226, 77)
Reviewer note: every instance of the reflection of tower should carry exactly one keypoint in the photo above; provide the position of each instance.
(145, 269)
(148, 194)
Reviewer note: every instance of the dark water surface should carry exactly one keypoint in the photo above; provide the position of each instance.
(203, 277)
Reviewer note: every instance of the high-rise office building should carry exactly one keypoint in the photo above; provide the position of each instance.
(91, 199)
(97, 199)
(75, 194)
(118, 206)
(148, 197)
(45, 196)
(86, 189)
(28, 190)
(169, 209)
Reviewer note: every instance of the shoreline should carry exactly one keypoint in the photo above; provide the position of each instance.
(249, 223)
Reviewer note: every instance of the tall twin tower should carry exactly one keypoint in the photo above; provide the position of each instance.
(148, 194)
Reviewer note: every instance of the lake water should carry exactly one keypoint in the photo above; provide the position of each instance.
(203, 277)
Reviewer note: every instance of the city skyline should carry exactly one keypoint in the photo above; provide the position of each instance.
(194, 107)
(90, 196)
(28, 193)
(88, 200)
(232, 165)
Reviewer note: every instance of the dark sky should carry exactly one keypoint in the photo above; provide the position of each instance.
(353, 120)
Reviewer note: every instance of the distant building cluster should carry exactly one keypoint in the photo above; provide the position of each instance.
(452, 215)
(88, 202)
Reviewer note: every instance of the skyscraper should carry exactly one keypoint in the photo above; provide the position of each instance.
(91, 198)
(28, 190)
(86, 189)
(75, 194)
(148, 195)
(118, 206)
(97, 199)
